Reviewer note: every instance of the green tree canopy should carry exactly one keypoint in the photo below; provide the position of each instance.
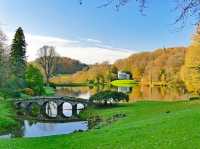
(34, 79)
(109, 96)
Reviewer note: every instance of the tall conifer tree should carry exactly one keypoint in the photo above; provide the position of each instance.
(18, 54)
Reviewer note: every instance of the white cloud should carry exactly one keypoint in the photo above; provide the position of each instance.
(93, 40)
(73, 49)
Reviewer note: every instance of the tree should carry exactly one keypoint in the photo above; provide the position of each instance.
(34, 79)
(2, 58)
(186, 8)
(108, 96)
(191, 69)
(47, 59)
(18, 54)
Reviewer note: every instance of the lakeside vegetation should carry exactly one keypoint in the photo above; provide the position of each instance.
(113, 122)
(126, 83)
(146, 125)
(7, 116)
(162, 66)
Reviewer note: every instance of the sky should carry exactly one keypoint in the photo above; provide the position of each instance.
(91, 34)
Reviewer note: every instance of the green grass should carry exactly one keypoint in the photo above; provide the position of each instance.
(123, 83)
(6, 116)
(49, 91)
(148, 125)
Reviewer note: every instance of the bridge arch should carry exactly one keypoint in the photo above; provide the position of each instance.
(54, 107)
(67, 109)
(51, 109)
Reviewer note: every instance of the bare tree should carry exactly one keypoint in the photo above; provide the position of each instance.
(47, 59)
(4, 62)
(2, 56)
(186, 8)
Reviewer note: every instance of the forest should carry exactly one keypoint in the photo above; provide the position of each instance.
(176, 66)
(161, 65)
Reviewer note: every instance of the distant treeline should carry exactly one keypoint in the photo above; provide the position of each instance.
(162, 65)
(65, 65)
(165, 66)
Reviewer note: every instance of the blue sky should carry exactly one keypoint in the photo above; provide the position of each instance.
(87, 27)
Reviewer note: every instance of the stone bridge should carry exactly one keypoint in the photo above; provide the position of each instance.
(43, 100)
(59, 101)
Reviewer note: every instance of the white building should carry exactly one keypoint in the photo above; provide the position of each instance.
(124, 89)
(123, 76)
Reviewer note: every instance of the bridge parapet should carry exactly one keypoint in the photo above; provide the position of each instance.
(41, 100)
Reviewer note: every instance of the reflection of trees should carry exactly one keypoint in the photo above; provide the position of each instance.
(77, 91)
(19, 131)
(137, 92)
(156, 93)
(51, 108)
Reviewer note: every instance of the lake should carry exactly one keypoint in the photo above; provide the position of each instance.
(47, 122)
(136, 93)
(30, 128)
(38, 128)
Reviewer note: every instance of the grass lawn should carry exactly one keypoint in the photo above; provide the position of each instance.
(123, 83)
(147, 125)
(6, 116)
(49, 91)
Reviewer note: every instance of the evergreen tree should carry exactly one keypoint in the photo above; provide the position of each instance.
(18, 54)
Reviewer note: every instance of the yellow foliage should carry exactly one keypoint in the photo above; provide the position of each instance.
(190, 72)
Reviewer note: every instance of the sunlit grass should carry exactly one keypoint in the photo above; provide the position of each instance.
(126, 83)
(146, 125)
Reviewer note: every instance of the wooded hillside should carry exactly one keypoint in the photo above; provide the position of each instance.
(161, 65)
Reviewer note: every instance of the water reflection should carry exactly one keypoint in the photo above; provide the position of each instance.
(51, 109)
(39, 129)
(53, 120)
(136, 93)
(124, 89)
(67, 109)
(80, 107)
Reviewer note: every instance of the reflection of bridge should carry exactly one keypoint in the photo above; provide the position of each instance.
(59, 101)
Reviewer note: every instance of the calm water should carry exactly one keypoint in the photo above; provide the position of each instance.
(40, 129)
(36, 128)
(136, 93)
(53, 124)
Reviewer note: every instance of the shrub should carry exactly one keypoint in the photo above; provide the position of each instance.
(28, 91)
(34, 79)
(109, 97)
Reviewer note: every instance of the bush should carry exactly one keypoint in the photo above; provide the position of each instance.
(34, 79)
(109, 97)
(49, 91)
(28, 91)
(13, 87)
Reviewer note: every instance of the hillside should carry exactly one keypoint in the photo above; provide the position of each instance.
(160, 65)
(67, 65)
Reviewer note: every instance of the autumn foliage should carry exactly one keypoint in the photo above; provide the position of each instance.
(191, 69)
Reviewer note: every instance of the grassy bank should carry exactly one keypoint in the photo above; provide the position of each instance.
(124, 83)
(49, 91)
(146, 125)
(6, 116)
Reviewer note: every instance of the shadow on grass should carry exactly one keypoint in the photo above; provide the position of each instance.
(109, 106)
